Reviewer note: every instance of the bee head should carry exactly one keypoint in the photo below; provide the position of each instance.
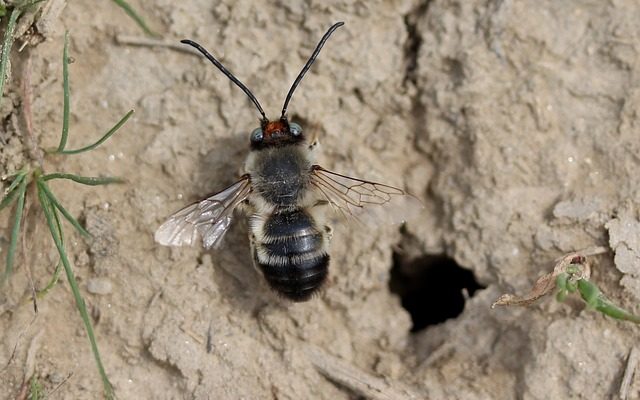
(275, 134)
(271, 133)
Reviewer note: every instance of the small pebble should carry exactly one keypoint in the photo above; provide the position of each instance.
(99, 286)
(55, 378)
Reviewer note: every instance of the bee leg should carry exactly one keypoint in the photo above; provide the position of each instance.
(329, 231)
(314, 145)
(320, 203)
(246, 207)
(252, 244)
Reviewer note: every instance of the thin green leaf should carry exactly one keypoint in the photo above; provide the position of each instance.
(85, 180)
(59, 227)
(15, 231)
(43, 186)
(16, 180)
(102, 139)
(56, 272)
(131, 13)
(50, 214)
(13, 176)
(65, 95)
(594, 298)
(28, 3)
(7, 42)
(11, 192)
(36, 390)
(8, 199)
(54, 280)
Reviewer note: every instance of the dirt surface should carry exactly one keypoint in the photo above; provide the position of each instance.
(513, 122)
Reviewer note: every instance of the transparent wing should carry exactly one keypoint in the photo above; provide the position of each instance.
(210, 218)
(351, 196)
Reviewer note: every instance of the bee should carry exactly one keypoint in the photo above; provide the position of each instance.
(285, 196)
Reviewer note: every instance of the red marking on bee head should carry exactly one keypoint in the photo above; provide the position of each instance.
(275, 129)
(275, 134)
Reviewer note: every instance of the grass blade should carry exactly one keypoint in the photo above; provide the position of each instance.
(15, 231)
(131, 13)
(53, 222)
(10, 193)
(16, 181)
(54, 280)
(85, 180)
(12, 175)
(102, 139)
(65, 95)
(8, 199)
(36, 391)
(43, 186)
(7, 42)
(28, 3)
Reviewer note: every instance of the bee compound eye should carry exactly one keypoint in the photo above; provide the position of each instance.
(257, 135)
(296, 130)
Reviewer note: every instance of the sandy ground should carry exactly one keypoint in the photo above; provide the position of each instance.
(513, 121)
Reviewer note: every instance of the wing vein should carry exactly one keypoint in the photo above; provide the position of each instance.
(210, 217)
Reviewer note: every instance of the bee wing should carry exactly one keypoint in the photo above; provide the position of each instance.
(351, 196)
(210, 218)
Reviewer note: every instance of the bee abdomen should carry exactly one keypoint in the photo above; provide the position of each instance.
(292, 256)
(297, 280)
(294, 245)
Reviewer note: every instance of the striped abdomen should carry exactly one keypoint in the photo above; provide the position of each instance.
(291, 254)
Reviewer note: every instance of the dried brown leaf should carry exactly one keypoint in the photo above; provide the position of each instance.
(547, 283)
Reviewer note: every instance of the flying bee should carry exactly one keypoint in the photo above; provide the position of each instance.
(285, 196)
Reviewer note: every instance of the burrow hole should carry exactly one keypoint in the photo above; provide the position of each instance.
(432, 288)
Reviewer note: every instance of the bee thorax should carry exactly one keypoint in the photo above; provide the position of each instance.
(280, 175)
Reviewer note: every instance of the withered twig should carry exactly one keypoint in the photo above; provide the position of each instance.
(29, 364)
(632, 364)
(24, 391)
(197, 338)
(586, 252)
(27, 95)
(358, 381)
(15, 347)
(60, 384)
(547, 283)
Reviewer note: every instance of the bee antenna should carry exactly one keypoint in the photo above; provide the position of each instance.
(227, 73)
(308, 65)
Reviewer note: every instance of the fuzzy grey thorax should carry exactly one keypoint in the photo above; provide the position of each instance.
(280, 175)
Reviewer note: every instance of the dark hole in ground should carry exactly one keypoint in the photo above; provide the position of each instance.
(431, 288)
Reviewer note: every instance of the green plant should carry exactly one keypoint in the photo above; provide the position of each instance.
(36, 390)
(574, 280)
(570, 275)
(7, 41)
(16, 9)
(137, 18)
(36, 177)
